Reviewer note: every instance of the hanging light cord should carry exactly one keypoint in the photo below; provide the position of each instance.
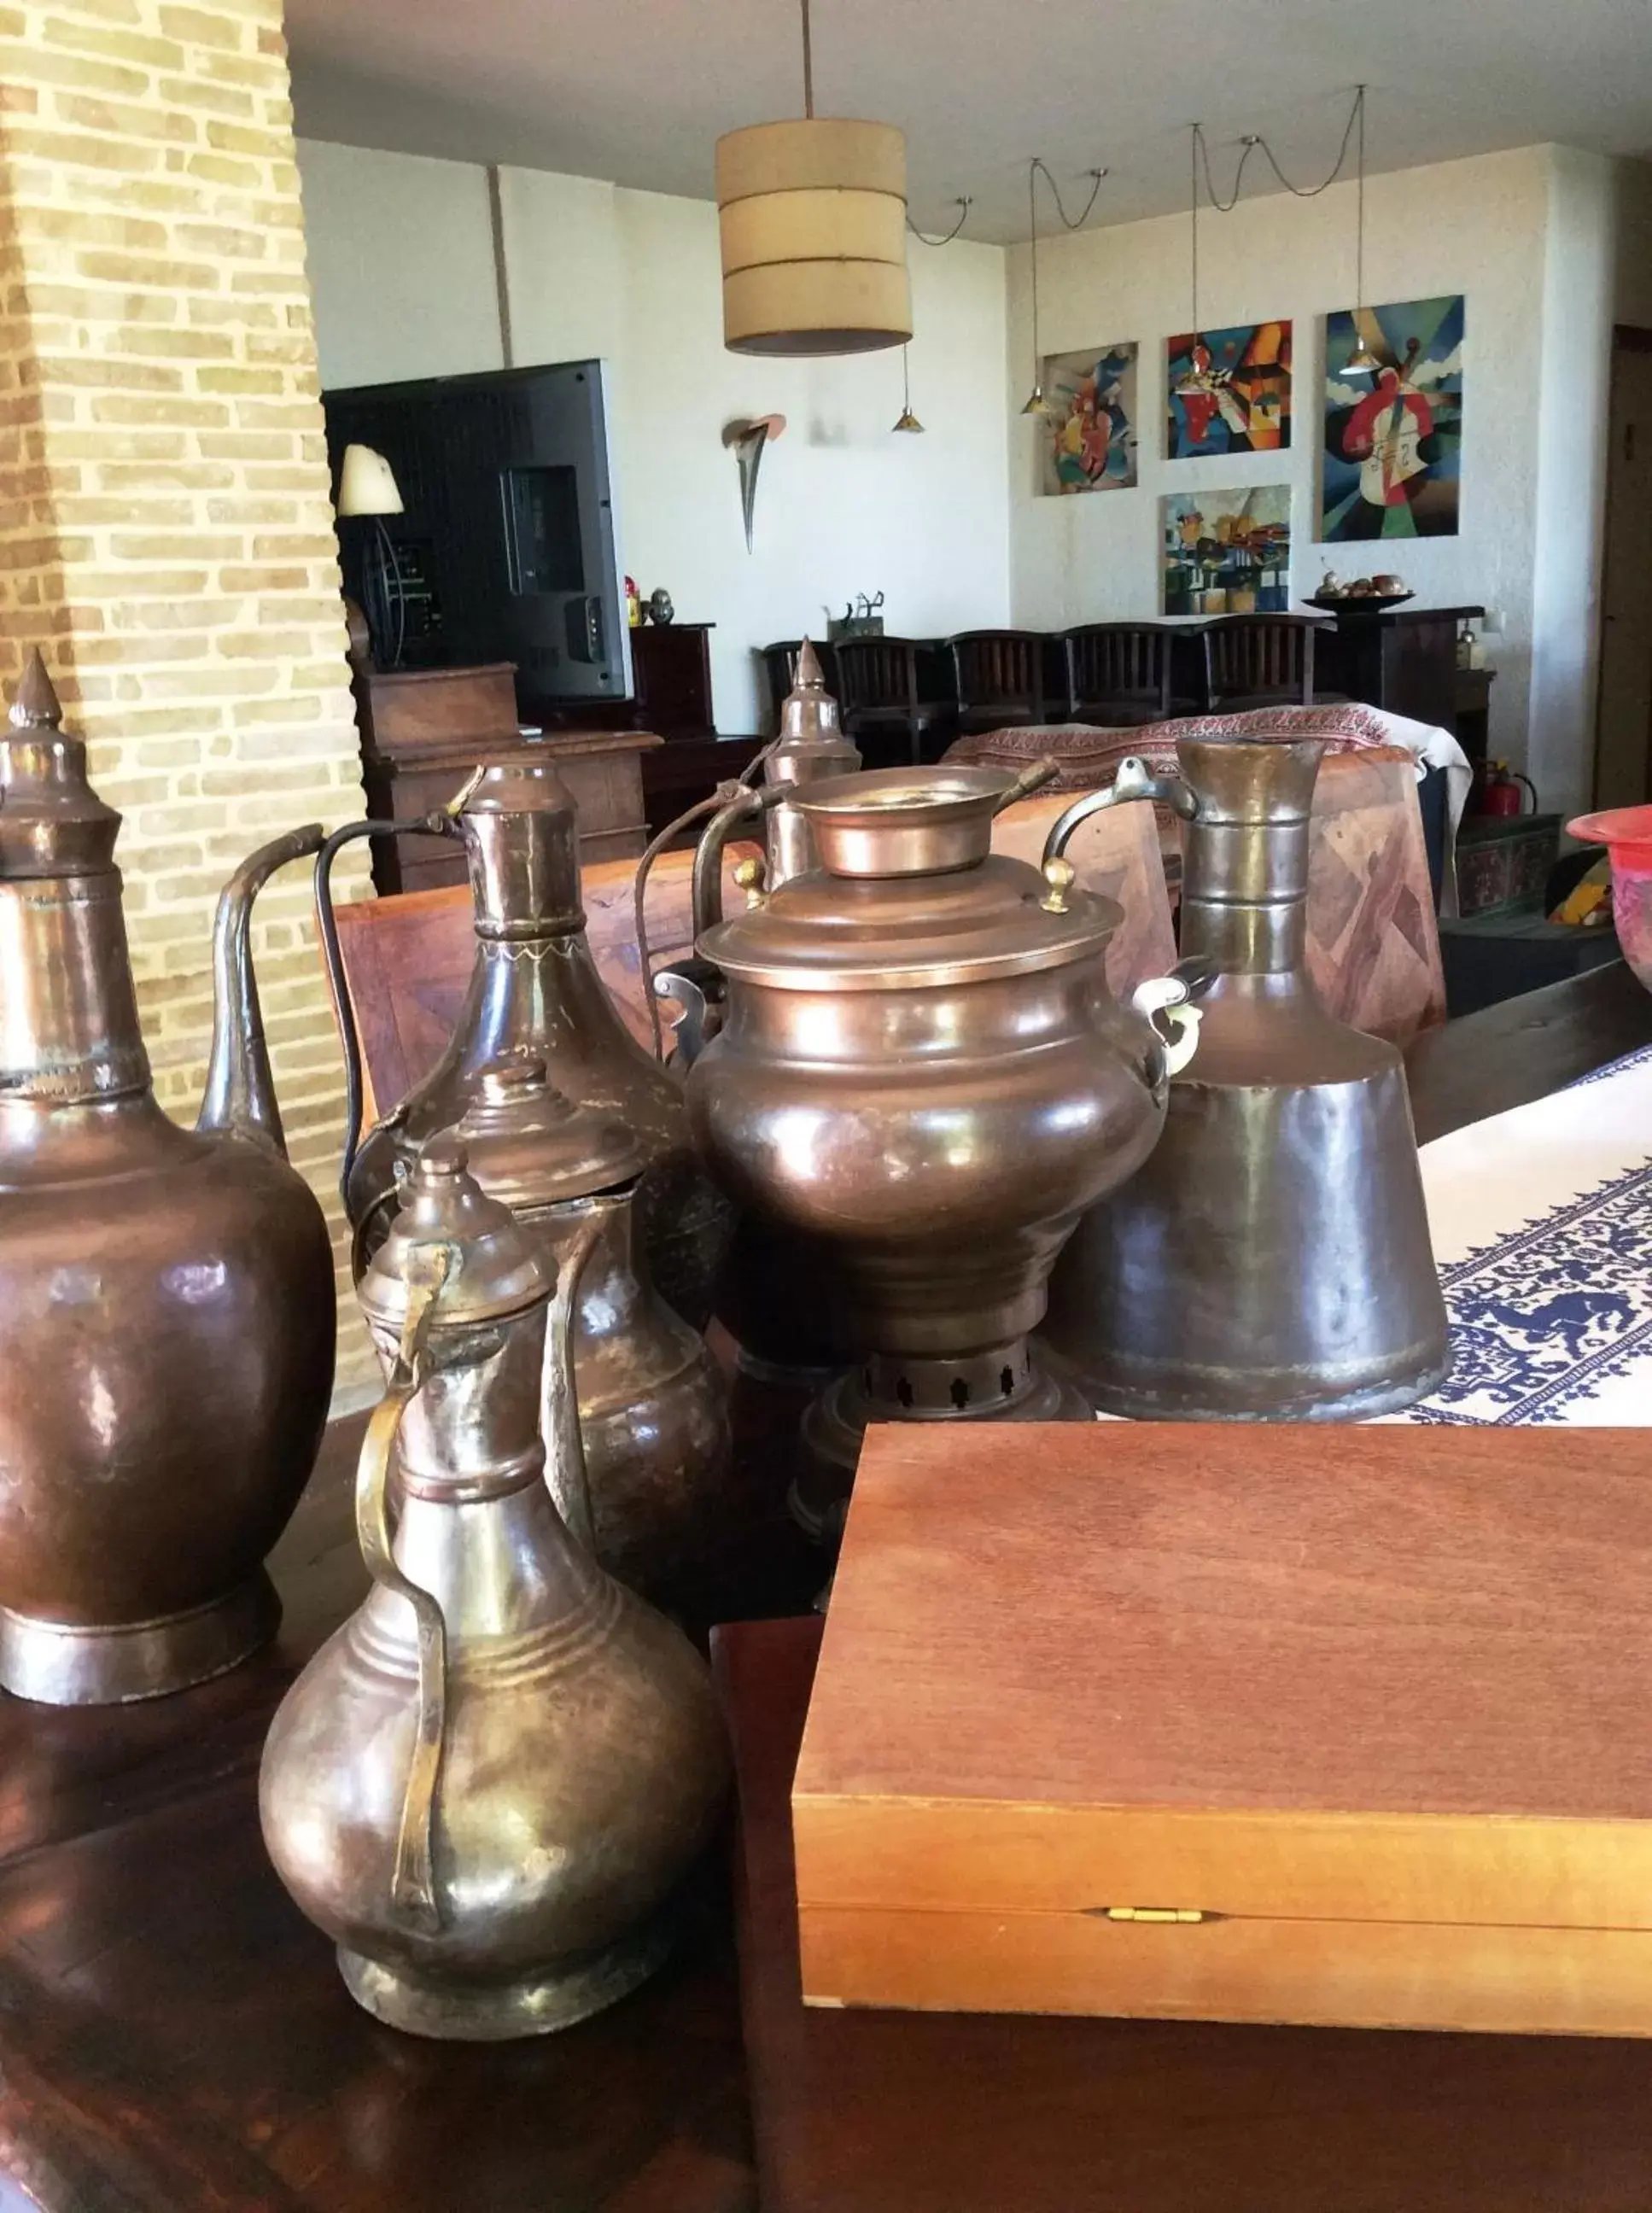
(1256, 143)
(1032, 237)
(1072, 222)
(809, 67)
(946, 238)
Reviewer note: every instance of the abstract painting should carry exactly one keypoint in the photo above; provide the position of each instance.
(1091, 420)
(1229, 391)
(1226, 552)
(1393, 439)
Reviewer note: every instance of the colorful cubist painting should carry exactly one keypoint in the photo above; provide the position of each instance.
(1229, 391)
(1393, 437)
(1092, 422)
(1226, 552)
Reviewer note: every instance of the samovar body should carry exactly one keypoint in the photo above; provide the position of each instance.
(1271, 1260)
(166, 1299)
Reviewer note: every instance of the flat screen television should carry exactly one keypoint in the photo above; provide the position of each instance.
(505, 549)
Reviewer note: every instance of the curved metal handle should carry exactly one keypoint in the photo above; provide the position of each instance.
(1166, 1004)
(708, 854)
(696, 986)
(558, 1387)
(239, 1093)
(439, 824)
(1030, 779)
(1135, 780)
(412, 1880)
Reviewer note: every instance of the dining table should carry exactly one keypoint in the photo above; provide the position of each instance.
(174, 2037)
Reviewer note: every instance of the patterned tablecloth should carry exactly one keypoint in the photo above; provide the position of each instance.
(1542, 1225)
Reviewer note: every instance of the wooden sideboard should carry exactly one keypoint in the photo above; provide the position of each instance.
(423, 730)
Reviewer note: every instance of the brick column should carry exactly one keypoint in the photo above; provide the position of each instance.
(166, 532)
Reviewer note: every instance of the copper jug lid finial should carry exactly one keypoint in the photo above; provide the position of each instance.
(35, 704)
(808, 717)
(51, 822)
(493, 1267)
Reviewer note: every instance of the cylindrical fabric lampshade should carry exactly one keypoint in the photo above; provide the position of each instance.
(367, 483)
(813, 215)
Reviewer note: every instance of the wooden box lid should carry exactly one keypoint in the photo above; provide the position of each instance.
(1378, 1695)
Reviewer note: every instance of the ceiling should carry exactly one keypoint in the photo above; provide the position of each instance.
(636, 91)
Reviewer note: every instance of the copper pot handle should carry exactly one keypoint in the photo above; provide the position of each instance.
(1030, 779)
(746, 806)
(558, 1385)
(1135, 780)
(412, 1888)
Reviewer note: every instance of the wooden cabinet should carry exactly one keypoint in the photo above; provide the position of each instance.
(671, 679)
(1405, 660)
(423, 730)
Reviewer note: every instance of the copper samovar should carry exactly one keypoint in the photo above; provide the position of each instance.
(486, 1786)
(921, 1069)
(535, 989)
(166, 1304)
(1272, 1261)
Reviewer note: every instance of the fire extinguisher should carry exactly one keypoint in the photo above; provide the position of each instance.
(1497, 790)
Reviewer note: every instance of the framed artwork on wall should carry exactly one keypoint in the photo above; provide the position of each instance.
(1225, 553)
(1229, 391)
(1091, 441)
(1393, 438)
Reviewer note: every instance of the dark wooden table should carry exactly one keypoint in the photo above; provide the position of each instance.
(174, 2038)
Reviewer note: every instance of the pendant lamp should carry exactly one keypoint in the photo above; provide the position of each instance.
(813, 218)
(1035, 403)
(906, 420)
(1361, 362)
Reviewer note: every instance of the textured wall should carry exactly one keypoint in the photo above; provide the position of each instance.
(166, 532)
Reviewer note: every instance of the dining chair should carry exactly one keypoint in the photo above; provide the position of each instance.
(999, 678)
(1123, 673)
(1259, 660)
(889, 699)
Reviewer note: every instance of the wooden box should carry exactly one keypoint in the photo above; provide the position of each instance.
(1270, 1723)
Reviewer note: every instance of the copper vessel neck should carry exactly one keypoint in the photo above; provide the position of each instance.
(1246, 853)
(517, 822)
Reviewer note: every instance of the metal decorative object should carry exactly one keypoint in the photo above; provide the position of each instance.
(749, 439)
(1272, 1261)
(167, 1305)
(811, 745)
(920, 1070)
(485, 1786)
(534, 989)
(653, 1423)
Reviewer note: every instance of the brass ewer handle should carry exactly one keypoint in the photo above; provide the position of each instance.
(413, 1880)
(558, 1385)
(746, 807)
(1135, 780)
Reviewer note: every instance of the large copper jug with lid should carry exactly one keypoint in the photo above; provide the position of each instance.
(1272, 1261)
(486, 1785)
(167, 1302)
(921, 1071)
(534, 989)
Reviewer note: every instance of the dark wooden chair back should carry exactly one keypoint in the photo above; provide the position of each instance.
(999, 675)
(877, 675)
(1259, 660)
(1118, 672)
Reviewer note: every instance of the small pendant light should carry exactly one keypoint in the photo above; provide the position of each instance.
(1361, 362)
(1036, 402)
(906, 420)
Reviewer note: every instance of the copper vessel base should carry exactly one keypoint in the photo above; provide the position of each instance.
(57, 1663)
(491, 2013)
(1007, 1383)
(1172, 1398)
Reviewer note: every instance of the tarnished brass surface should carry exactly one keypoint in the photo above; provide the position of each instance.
(486, 1785)
(652, 1407)
(921, 1072)
(535, 988)
(1273, 1258)
(165, 1295)
(811, 745)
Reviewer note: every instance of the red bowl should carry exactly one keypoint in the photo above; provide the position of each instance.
(1626, 833)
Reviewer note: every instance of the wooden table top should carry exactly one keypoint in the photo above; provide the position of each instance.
(173, 2036)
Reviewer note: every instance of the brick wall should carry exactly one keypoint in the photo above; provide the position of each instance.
(166, 534)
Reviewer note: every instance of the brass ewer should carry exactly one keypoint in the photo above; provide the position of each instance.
(166, 1304)
(486, 1786)
(1271, 1259)
(922, 1073)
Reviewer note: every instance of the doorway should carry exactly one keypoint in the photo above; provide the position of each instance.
(1623, 730)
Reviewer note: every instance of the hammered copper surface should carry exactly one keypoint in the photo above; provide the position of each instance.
(167, 1305)
(1273, 1258)
(486, 1785)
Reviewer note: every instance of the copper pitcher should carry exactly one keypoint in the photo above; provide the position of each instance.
(487, 1784)
(1272, 1261)
(535, 989)
(166, 1304)
(921, 1071)
(653, 1422)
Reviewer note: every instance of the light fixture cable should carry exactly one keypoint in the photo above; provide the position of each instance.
(809, 67)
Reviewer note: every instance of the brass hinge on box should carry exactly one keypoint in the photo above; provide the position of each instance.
(1176, 1913)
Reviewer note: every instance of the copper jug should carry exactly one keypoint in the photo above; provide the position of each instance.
(922, 1071)
(534, 988)
(1272, 1261)
(166, 1304)
(811, 745)
(654, 1426)
(487, 1784)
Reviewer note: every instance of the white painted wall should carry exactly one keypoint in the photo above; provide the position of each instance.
(1475, 227)
(633, 277)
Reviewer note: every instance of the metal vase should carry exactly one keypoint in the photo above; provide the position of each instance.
(1271, 1259)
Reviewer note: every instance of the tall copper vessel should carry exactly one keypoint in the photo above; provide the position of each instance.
(165, 1295)
(1271, 1260)
(534, 989)
(652, 1421)
(486, 1785)
(922, 1069)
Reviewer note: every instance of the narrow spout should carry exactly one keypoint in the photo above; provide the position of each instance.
(240, 1090)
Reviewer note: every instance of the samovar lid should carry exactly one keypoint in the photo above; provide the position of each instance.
(530, 1146)
(486, 1265)
(51, 822)
(909, 893)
